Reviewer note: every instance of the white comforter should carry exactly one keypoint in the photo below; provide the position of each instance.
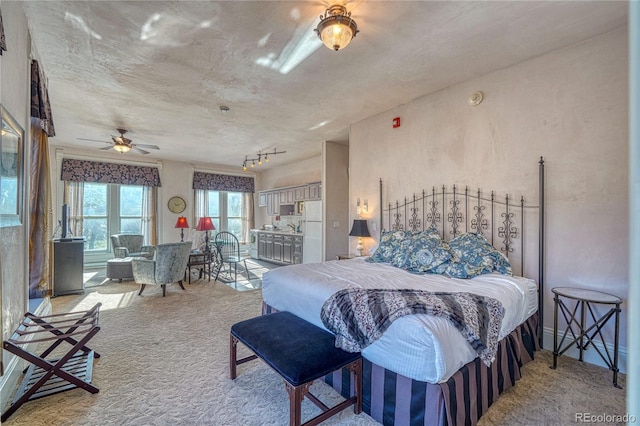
(420, 347)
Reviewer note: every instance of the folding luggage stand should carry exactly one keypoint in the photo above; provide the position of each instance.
(48, 376)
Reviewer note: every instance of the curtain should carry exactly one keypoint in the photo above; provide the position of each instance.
(200, 205)
(150, 214)
(74, 197)
(40, 106)
(214, 182)
(247, 216)
(40, 214)
(3, 43)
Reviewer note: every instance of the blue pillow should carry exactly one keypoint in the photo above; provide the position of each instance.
(473, 255)
(422, 252)
(388, 247)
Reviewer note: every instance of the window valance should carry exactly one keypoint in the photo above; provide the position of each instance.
(214, 182)
(40, 106)
(94, 171)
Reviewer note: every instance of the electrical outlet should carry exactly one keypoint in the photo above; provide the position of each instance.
(336, 224)
(374, 226)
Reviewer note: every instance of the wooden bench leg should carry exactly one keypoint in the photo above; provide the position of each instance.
(296, 395)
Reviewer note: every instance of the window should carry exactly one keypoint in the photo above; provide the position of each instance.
(110, 209)
(225, 209)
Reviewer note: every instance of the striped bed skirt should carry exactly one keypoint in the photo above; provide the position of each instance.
(393, 399)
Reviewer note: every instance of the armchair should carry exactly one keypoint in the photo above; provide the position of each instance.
(130, 245)
(167, 267)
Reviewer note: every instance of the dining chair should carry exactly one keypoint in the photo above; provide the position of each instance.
(228, 248)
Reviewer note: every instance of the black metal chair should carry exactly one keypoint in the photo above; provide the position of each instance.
(228, 248)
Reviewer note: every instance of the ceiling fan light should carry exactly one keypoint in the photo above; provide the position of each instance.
(122, 148)
(336, 28)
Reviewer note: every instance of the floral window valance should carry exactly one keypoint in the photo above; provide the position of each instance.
(3, 43)
(214, 182)
(93, 171)
(40, 106)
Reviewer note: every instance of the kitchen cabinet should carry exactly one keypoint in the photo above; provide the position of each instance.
(301, 193)
(262, 199)
(315, 191)
(282, 248)
(273, 203)
(287, 196)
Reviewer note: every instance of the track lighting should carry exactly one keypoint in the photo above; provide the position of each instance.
(252, 161)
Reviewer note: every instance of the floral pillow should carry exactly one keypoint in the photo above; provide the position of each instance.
(388, 247)
(473, 255)
(422, 252)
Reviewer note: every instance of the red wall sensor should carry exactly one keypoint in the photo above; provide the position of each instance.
(396, 122)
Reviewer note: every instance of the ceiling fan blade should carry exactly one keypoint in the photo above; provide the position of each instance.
(93, 140)
(141, 151)
(144, 145)
(106, 148)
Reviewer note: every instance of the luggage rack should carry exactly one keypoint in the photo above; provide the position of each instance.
(49, 376)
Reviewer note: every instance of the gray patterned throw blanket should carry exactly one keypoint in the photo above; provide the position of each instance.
(359, 316)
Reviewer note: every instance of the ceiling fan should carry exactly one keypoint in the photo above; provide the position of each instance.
(122, 144)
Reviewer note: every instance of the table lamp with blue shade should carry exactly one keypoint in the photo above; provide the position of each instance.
(359, 229)
(205, 224)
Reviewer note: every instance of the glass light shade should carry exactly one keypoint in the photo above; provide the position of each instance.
(336, 36)
(122, 147)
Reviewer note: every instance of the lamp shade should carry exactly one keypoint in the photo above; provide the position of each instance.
(205, 224)
(359, 229)
(182, 223)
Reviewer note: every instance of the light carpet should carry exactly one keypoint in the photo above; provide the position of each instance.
(165, 361)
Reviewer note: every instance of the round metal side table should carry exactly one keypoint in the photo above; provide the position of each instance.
(584, 335)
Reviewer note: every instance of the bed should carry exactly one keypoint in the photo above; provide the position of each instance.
(422, 370)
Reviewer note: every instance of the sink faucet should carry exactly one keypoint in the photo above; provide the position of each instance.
(292, 226)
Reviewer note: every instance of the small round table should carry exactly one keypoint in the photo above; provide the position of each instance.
(584, 335)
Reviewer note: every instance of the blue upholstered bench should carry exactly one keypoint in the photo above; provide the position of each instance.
(301, 353)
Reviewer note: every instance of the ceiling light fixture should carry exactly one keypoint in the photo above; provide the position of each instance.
(252, 161)
(122, 147)
(336, 28)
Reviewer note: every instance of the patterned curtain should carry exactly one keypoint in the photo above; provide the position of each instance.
(214, 182)
(40, 106)
(94, 171)
(3, 43)
(74, 197)
(40, 215)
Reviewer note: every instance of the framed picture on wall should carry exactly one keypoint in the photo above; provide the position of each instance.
(11, 170)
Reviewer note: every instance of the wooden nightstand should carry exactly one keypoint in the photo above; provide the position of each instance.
(345, 256)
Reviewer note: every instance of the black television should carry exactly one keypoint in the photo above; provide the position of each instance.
(64, 222)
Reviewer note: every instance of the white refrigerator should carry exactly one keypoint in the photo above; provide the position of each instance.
(312, 229)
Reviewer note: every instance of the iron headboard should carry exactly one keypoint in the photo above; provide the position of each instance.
(501, 220)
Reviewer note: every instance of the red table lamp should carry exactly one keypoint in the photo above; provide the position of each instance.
(205, 224)
(182, 224)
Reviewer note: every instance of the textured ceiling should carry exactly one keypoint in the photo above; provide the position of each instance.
(163, 69)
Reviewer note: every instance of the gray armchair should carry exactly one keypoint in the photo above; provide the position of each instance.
(167, 267)
(131, 245)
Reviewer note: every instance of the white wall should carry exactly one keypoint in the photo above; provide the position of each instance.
(335, 193)
(570, 106)
(15, 67)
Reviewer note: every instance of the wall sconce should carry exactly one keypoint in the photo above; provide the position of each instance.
(182, 224)
(360, 208)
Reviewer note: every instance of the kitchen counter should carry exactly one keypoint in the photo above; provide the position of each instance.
(279, 231)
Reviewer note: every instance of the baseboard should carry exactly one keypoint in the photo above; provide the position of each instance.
(13, 370)
(589, 355)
